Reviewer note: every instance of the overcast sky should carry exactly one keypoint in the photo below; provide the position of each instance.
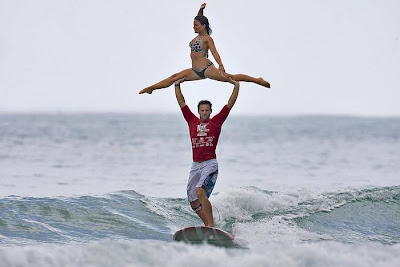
(320, 56)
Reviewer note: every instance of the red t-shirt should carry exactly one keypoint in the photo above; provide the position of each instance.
(204, 134)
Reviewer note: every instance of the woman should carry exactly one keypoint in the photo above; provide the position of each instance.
(202, 67)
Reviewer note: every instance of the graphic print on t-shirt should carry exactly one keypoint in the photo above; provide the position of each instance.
(203, 140)
(202, 129)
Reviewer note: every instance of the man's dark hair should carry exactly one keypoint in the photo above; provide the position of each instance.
(204, 102)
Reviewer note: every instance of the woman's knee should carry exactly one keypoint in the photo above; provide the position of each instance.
(174, 77)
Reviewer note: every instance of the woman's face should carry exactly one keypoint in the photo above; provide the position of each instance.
(198, 28)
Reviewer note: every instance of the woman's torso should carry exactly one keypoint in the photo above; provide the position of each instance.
(199, 52)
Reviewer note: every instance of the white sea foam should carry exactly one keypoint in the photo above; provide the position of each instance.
(157, 253)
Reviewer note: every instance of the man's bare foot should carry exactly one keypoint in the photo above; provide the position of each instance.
(146, 90)
(263, 82)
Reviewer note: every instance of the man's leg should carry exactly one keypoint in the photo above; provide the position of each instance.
(206, 210)
(197, 194)
(198, 208)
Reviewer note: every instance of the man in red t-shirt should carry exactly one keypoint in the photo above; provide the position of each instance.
(204, 134)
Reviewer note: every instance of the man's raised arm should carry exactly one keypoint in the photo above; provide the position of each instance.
(178, 93)
(202, 7)
(234, 94)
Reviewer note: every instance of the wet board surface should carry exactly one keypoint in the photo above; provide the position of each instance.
(204, 234)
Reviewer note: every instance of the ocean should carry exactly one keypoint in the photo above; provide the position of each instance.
(109, 189)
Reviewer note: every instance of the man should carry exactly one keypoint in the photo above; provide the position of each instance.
(204, 133)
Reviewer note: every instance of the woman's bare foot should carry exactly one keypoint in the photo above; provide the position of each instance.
(146, 90)
(263, 82)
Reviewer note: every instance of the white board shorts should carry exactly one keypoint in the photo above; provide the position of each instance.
(202, 175)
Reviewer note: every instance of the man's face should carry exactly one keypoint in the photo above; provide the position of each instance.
(204, 112)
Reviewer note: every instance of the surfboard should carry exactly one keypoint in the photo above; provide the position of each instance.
(204, 234)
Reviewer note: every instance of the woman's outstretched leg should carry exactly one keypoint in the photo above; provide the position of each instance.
(247, 78)
(213, 73)
(188, 74)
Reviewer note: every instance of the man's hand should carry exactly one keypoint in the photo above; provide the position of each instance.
(203, 6)
(178, 82)
(232, 81)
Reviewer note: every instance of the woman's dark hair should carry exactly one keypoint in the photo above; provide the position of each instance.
(204, 21)
(204, 102)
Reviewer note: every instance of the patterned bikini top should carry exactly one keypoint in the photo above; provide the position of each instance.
(196, 46)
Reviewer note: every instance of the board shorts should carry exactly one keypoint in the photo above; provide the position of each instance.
(202, 175)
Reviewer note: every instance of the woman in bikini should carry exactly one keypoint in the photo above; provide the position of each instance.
(202, 67)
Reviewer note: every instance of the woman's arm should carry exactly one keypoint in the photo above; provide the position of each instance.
(202, 7)
(214, 52)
